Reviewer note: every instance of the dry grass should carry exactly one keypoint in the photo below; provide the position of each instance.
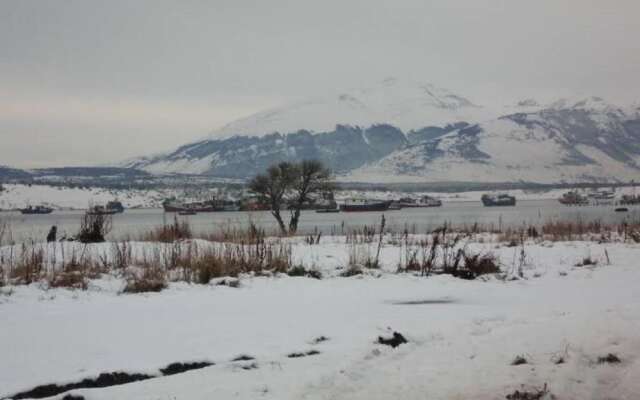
(49, 263)
(445, 252)
(149, 279)
(167, 233)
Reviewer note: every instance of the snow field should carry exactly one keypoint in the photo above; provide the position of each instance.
(462, 338)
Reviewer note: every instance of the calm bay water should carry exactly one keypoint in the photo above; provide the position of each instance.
(419, 220)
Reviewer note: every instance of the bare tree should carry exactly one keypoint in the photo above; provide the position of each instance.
(312, 177)
(291, 185)
(272, 188)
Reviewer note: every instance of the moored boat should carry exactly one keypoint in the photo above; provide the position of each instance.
(100, 210)
(327, 210)
(115, 206)
(498, 200)
(201, 206)
(352, 205)
(36, 210)
(629, 199)
(424, 201)
(573, 198)
(112, 207)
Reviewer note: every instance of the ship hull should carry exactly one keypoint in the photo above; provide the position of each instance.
(381, 206)
(504, 202)
(24, 212)
(409, 205)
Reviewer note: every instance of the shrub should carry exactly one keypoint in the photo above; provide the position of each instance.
(152, 279)
(532, 394)
(299, 270)
(519, 360)
(609, 359)
(69, 280)
(178, 230)
(352, 270)
(480, 264)
(586, 261)
(94, 227)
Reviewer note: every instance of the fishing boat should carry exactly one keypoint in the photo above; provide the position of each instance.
(629, 199)
(498, 200)
(573, 198)
(36, 210)
(116, 206)
(352, 205)
(112, 207)
(100, 210)
(201, 206)
(424, 201)
(603, 194)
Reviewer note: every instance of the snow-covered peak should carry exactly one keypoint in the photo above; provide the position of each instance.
(405, 104)
(592, 104)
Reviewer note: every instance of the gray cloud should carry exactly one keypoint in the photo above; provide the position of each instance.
(142, 76)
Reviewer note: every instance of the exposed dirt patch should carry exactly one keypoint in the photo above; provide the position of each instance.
(519, 360)
(609, 359)
(103, 380)
(319, 339)
(249, 367)
(423, 301)
(73, 397)
(178, 368)
(308, 353)
(532, 394)
(244, 357)
(394, 341)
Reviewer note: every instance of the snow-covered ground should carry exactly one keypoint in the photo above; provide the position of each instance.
(463, 335)
(19, 196)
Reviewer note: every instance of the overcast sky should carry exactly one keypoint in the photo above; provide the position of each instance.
(85, 82)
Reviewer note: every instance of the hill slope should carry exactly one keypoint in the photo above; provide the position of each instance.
(403, 132)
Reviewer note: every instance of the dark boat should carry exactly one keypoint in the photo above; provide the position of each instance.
(112, 207)
(621, 209)
(100, 210)
(573, 198)
(36, 210)
(325, 202)
(353, 205)
(115, 206)
(424, 201)
(628, 199)
(201, 206)
(499, 200)
(327, 210)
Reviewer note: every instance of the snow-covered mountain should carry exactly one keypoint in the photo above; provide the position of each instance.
(403, 104)
(404, 132)
(567, 141)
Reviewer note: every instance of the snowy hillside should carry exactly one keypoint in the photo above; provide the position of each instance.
(587, 140)
(403, 104)
(406, 132)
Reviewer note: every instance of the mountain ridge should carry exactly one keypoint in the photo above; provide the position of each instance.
(396, 131)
